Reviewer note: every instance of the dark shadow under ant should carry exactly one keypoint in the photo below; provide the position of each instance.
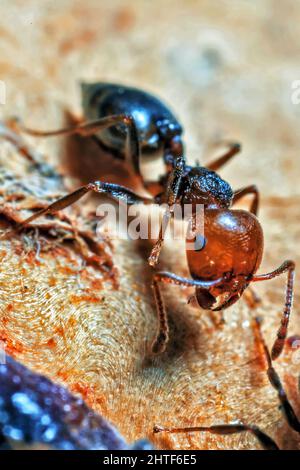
(225, 429)
(133, 124)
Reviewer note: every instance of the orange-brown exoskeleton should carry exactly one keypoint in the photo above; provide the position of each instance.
(239, 426)
(226, 257)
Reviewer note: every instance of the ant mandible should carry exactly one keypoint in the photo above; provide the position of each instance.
(225, 429)
(133, 124)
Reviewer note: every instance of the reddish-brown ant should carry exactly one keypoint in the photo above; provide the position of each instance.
(133, 124)
(267, 442)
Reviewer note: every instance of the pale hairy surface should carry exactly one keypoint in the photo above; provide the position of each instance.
(226, 68)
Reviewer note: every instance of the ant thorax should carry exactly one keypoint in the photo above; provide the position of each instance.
(204, 186)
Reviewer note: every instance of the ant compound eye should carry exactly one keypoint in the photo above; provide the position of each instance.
(200, 242)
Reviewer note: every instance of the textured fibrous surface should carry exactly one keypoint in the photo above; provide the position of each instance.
(227, 70)
(34, 411)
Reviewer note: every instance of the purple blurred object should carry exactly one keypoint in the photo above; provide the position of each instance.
(34, 410)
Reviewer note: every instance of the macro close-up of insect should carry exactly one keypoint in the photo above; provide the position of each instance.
(149, 186)
(226, 261)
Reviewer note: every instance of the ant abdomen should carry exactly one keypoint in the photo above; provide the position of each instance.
(155, 123)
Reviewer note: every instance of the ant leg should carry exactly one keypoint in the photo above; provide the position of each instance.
(234, 148)
(162, 337)
(252, 189)
(275, 381)
(88, 129)
(155, 252)
(225, 429)
(114, 191)
(172, 191)
(289, 267)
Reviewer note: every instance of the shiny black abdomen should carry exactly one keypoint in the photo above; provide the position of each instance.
(154, 121)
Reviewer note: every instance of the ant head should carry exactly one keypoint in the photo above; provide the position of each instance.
(207, 187)
(229, 251)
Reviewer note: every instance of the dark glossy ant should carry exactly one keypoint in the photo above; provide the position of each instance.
(225, 429)
(133, 124)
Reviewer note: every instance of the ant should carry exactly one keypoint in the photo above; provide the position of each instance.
(135, 125)
(224, 429)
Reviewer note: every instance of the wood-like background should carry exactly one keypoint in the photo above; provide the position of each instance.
(226, 68)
